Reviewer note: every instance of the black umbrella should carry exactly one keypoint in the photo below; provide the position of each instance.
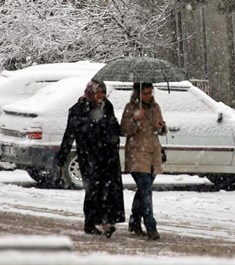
(139, 70)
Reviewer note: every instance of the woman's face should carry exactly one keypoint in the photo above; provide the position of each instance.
(147, 93)
(99, 95)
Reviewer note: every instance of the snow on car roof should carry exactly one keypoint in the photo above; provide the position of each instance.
(63, 94)
(15, 80)
(40, 68)
(23, 83)
(59, 95)
(174, 86)
(179, 107)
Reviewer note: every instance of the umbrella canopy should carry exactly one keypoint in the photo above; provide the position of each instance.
(139, 70)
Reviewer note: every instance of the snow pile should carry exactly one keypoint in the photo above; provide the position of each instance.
(55, 243)
(37, 258)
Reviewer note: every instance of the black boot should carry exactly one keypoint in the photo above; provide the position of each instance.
(153, 235)
(92, 230)
(135, 225)
(137, 230)
(108, 230)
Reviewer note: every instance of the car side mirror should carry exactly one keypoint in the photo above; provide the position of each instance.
(220, 117)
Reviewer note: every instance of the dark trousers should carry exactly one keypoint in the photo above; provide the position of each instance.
(142, 205)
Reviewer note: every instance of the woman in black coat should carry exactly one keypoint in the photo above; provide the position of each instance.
(94, 127)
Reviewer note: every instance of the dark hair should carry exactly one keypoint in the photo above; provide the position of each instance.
(137, 87)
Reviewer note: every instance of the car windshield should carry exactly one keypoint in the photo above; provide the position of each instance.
(175, 101)
(182, 101)
(34, 87)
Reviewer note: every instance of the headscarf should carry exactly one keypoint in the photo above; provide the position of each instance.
(92, 87)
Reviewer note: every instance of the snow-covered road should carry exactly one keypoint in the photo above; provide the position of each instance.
(199, 215)
(187, 213)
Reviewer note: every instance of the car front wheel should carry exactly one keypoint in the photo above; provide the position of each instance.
(71, 175)
(223, 181)
(40, 176)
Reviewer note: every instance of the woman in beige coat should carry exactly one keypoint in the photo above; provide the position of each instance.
(141, 123)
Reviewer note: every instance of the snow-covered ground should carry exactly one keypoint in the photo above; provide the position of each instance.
(14, 258)
(179, 212)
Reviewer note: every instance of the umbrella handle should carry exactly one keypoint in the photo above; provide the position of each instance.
(141, 95)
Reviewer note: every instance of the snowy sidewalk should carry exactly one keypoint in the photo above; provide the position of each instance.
(37, 258)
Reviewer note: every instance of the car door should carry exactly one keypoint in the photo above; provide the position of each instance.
(197, 148)
(197, 140)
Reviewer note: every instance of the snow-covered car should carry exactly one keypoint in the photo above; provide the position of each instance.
(201, 131)
(31, 130)
(23, 83)
(201, 138)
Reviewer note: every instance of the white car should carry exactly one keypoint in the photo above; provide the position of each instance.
(21, 84)
(201, 138)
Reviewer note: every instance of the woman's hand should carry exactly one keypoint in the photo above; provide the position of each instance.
(161, 128)
(160, 125)
(138, 115)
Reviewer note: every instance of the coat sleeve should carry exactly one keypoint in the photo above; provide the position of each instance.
(112, 128)
(67, 141)
(128, 125)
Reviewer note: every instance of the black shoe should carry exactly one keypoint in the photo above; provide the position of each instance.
(108, 233)
(92, 230)
(137, 230)
(153, 235)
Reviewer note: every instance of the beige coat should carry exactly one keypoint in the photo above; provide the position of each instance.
(143, 149)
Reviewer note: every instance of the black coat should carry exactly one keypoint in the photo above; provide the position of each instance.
(96, 132)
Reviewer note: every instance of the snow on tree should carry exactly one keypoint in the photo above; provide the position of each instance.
(37, 31)
(44, 31)
(124, 28)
